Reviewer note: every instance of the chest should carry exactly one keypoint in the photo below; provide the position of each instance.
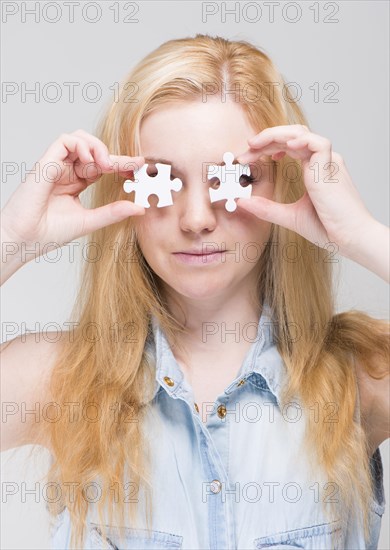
(228, 474)
(231, 472)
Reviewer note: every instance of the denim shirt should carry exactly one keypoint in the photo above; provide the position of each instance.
(238, 481)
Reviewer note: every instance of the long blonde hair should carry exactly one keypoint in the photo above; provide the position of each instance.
(120, 290)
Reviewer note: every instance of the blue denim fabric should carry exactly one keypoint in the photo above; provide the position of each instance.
(240, 481)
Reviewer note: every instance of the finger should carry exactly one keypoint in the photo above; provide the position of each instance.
(121, 164)
(279, 134)
(125, 164)
(276, 148)
(278, 155)
(114, 212)
(301, 147)
(65, 147)
(108, 162)
(270, 211)
(73, 149)
(252, 155)
(320, 149)
(87, 172)
(97, 147)
(268, 153)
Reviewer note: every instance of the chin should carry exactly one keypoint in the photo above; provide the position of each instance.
(191, 288)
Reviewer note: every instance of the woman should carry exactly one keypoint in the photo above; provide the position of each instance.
(217, 400)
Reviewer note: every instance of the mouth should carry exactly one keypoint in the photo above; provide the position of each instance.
(196, 256)
(199, 252)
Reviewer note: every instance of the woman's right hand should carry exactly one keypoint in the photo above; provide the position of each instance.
(50, 211)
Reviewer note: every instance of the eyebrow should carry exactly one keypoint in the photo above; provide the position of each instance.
(155, 160)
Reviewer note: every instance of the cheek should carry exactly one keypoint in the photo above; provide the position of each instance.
(144, 231)
(152, 231)
(244, 222)
(149, 221)
(259, 230)
(247, 228)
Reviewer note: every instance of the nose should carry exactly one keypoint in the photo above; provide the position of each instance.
(196, 211)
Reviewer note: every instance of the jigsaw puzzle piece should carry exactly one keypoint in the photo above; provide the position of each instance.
(141, 190)
(160, 185)
(229, 178)
(230, 205)
(165, 191)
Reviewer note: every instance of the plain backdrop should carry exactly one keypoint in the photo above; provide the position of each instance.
(336, 52)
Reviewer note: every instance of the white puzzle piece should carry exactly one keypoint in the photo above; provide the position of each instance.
(160, 185)
(229, 178)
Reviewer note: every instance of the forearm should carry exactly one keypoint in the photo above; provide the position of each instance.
(373, 250)
(10, 256)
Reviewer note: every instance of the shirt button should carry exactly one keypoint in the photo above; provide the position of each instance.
(215, 486)
(169, 381)
(221, 411)
(241, 382)
(196, 407)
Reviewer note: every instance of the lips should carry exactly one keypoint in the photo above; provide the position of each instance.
(196, 257)
(198, 252)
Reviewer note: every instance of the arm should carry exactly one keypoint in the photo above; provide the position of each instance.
(10, 256)
(373, 249)
(331, 209)
(49, 210)
(375, 406)
(26, 364)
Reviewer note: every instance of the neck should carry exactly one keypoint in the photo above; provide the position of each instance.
(219, 324)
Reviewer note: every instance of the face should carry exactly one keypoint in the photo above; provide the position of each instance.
(190, 136)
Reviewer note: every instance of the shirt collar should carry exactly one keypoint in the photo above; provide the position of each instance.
(262, 366)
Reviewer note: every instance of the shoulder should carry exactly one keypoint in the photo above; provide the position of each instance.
(26, 364)
(374, 396)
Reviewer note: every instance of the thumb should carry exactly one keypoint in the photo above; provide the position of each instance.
(270, 211)
(96, 218)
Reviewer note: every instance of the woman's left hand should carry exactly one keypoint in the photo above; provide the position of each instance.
(331, 209)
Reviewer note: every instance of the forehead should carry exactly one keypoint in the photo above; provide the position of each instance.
(201, 115)
(196, 130)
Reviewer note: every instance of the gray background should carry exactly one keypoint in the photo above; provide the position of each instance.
(352, 53)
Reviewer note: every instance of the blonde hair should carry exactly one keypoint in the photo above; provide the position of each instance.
(121, 288)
